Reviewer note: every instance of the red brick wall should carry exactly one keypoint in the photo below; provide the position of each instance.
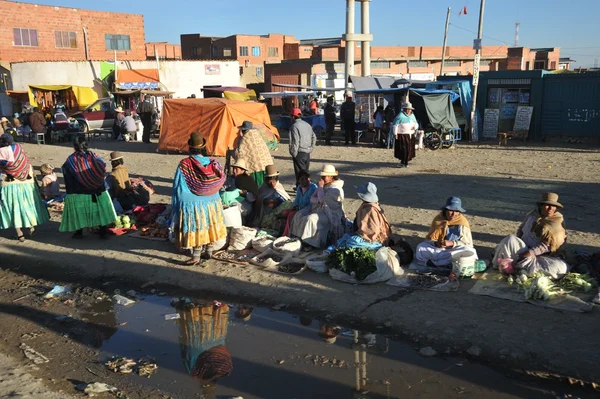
(165, 51)
(47, 19)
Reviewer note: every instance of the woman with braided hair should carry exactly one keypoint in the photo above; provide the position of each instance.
(196, 204)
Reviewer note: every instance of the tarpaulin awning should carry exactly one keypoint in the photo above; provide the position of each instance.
(273, 94)
(377, 84)
(223, 89)
(249, 95)
(290, 86)
(217, 118)
(438, 108)
(158, 93)
(453, 96)
(85, 95)
(137, 78)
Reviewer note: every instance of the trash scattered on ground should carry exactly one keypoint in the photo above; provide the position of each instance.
(33, 355)
(323, 361)
(427, 351)
(172, 316)
(280, 361)
(121, 300)
(95, 388)
(57, 291)
(144, 367)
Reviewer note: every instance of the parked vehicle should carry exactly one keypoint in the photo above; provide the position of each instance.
(99, 115)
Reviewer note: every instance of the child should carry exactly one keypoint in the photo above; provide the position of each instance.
(50, 186)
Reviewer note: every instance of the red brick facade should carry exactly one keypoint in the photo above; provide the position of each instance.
(88, 28)
(164, 50)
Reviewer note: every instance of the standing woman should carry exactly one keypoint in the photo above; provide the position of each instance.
(87, 203)
(405, 126)
(197, 208)
(20, 202)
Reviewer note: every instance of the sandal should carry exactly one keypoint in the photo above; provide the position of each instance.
(31, 232)
(19, 238)
(193, 262)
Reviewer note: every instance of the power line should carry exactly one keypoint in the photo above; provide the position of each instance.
(487, 37)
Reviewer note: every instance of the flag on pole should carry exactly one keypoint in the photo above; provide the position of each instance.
(463, 11)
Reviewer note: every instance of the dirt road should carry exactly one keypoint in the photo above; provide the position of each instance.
(498, 185)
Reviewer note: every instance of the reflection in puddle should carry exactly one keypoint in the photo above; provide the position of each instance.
(221, 351)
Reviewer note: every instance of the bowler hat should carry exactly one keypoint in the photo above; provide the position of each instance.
(246, 125)
(115, 155)
(271, 171)
(368, 192)
(454, 204)
(550, 199)
(197, 140)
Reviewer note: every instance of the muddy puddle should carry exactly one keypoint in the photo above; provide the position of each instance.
(274, 354)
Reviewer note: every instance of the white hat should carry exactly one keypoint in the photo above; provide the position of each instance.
(119, 110)
(407, 105)
(3, 119)
(240, 163)
(328, 170)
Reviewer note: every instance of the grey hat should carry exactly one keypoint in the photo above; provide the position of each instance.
(407, 105)
(368, 192)
(454, 204)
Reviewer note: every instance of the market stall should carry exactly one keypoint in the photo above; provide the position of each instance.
(72, 97)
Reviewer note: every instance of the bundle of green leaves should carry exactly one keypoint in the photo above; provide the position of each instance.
(356, 262)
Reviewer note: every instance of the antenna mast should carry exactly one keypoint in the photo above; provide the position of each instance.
(517, 25)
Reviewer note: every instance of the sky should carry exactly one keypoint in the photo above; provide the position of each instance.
(571, 25)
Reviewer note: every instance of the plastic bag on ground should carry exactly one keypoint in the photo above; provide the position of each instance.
(241, 238)
(268, 259)
(262, 243)
(314, 263)
(388, 266)
(287, 246)
(232, 216)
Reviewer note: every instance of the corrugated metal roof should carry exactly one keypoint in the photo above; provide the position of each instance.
(330, 41)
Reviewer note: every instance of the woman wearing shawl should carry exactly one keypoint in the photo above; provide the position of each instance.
(202, 333)
(539, 243)
(304, 192)
(275, 201)
(449, 233)
(87, 203)
(197, 208)
(252, 148)
(325, 222)
(371, 228)
(249, 198)
(21, 205)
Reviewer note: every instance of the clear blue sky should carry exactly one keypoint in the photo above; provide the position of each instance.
(571, 25)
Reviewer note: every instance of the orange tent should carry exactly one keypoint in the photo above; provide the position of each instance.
(216, 118)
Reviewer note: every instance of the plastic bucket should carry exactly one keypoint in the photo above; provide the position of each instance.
(463, 263)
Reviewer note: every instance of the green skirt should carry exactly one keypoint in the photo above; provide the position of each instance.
(21, 205)
(81, 212)
(259, 177)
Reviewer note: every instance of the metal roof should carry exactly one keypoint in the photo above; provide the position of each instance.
(331, 41)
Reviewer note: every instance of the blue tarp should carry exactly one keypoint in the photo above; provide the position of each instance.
(453, 96)
(466, 98)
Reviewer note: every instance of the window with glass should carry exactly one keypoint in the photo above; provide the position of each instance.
(25, 37)
(117, 42)
(227, 52)
(273, 51)
(255, 51)
(380, 65)
(65, 39)
(259, 72)
(452, 63)
(418, 64)
(243, 51)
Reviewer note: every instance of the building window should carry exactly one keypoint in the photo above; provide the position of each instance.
(552, 65)
(25, 37)
(273, 51)
(259, 72)
(539, 65)
(196, 51)
(117, 42)
(339, 66)
(380, 65)
(454, 63)
(243, 51)
(417, 64)
(214, 52)
(227, 52)
(65, 39)
(255, 51)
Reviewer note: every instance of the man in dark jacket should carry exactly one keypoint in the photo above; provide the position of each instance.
(347, 112)
(37, 121)
(146, 110)
(330, 120)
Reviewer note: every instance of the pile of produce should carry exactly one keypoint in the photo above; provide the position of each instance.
(577, 282)
(123, 222)
(356, 262)
(542, 287)
(154, 230)
(290, 268)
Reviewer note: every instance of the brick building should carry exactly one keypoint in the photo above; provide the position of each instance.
(251, 51)
(31, 32)
(529, 59)
(164, 51)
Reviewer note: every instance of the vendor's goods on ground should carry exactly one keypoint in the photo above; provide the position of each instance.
(287, 246)
(241, 238)
(154, 230)
(356, 262)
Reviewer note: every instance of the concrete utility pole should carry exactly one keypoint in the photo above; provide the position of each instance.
(351, 38)
(445, 41)
(474, 136)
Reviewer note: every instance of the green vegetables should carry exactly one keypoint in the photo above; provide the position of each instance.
(542, 287)
(577, 282)
(357, 262)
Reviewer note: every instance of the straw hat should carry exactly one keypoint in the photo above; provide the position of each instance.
(271, 171)
(115, 155)
(197, 140)
(46, 168)
(119, 110)
(240, 163)
(407, 105)
(3, 119)
(328, 170)
(550, 199)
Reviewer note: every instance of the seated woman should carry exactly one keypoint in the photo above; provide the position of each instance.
(248, 197)
(120, 187)
(50, 187)
(275, 200)
(449, 233)
(538, 245)
(325, 221)
(304, 191)
(371, 228)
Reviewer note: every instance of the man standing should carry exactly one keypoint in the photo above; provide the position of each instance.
(37, 121)
(330, 120)
(146, 110)
(302, 143)
(347, 112)
(405, 126)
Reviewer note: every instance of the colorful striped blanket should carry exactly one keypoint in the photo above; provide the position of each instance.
(200, 179)
(87, 168)
(20, 166)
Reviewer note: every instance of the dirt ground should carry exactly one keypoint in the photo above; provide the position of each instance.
(498, 185)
